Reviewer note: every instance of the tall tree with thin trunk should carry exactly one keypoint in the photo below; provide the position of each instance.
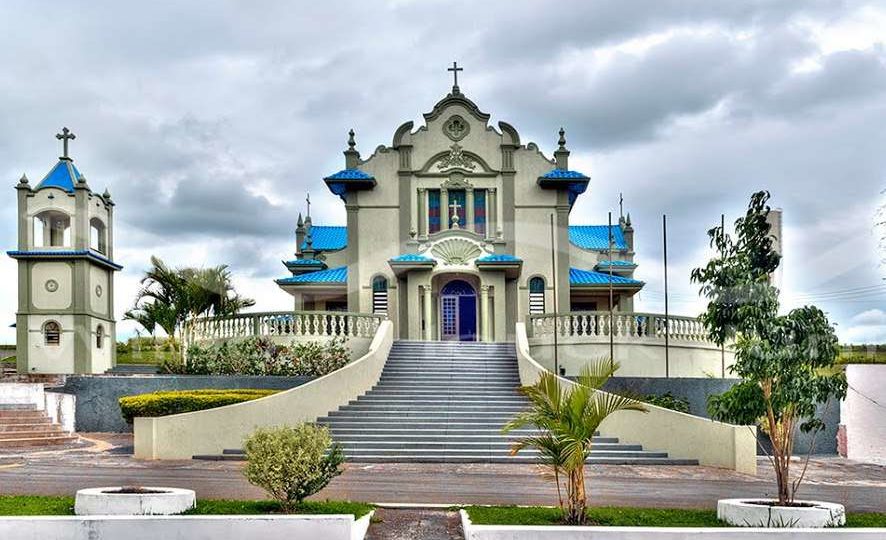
(785, 362)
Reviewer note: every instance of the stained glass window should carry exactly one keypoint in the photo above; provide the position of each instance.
(433, 210)
(480, 211)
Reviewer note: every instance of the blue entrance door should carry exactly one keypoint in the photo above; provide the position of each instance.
(458, 311)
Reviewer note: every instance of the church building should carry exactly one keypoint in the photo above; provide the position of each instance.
(458, 230)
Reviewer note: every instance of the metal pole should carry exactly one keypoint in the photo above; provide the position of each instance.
(722, 345)
(611, 302)
(664, 236)
(556, 316)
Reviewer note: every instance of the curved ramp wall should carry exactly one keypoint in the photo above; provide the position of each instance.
(680, 435)
(182, 436)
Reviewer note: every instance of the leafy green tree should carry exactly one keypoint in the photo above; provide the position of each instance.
(169, 296)
(784, 360)
(567, 416)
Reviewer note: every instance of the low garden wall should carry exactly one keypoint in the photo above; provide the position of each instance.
(331, 527)
(182, 436)
(681, 435)
(98, 407)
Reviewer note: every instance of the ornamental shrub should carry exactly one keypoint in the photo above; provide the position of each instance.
(292, 463)
(668, 401)
(175, 402)
(261, 356)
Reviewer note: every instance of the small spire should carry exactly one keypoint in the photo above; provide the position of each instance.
(24, 179)
(561, 155)
(82, 179)
(107, 194)
(352, 156)
(628, 220)
(301, 222)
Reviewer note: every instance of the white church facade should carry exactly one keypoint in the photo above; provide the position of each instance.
(457, 231)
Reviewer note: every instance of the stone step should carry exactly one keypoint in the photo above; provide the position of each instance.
(30, 420)
(502, 445)
(435, 424)
(21, 413)
(467, 393)
(55, 430)
(45, 426)
(441, 399)
(17, 407)
(38, 441)
(395, 415)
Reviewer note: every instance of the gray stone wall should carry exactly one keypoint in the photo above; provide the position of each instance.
(98, 409)
(697, 390)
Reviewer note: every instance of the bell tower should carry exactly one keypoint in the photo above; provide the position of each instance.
(65, 319)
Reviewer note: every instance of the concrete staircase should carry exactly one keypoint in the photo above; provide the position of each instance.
(446, 402)
(25, 426)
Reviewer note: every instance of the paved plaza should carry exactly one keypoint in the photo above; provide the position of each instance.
(107, 461)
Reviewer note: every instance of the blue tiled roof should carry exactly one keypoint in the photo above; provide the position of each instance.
(499, 258)
(333, 276)
(304, 262)
(64, 175)
(562, 174)
(328, 237)
(350, 174)
(596, 237)
(578, 276)
(411, 257)
(88, 253)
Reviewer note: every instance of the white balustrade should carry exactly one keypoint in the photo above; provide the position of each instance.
(630, 325)
(282, 324)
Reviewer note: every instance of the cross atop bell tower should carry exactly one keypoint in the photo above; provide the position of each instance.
(455, 69)
(65, 136)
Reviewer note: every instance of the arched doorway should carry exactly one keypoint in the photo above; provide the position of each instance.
(458, 312)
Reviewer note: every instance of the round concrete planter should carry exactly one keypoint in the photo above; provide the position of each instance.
(109, 501)
(812, 514)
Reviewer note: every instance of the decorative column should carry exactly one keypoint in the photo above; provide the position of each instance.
(469, 208)
(492, 217)
(484, 313)
(427, 308)
(445, 218)
(422, 213)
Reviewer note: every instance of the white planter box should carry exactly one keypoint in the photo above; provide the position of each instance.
(744, 513)
(515, 532)
(292, 527)
(164, 502)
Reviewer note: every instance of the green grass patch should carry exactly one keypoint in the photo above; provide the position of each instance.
(36, 506)
(181, 401)
(226, 507)
(64, 506)
(626, 517)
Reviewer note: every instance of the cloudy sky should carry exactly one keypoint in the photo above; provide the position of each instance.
(210, 122)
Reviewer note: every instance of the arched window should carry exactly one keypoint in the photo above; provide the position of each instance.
(99, 336)
(380, 295)
(98, 236)
(52, 333)
(536, 296)
(52, 229)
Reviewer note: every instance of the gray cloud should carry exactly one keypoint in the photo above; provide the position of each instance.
(209, 125)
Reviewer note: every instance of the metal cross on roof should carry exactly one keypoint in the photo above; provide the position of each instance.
(65, 136)
(455, 206)
(455, 69)
(308, 200)
(621, 208)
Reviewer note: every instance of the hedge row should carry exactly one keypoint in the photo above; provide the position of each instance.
(175, 402)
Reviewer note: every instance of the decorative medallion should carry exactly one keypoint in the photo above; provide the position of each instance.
(98, 291)
(456, 158)
(51, 285)
(455, 251)
(456, 128)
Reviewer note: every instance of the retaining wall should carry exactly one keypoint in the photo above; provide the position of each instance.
(864, 412)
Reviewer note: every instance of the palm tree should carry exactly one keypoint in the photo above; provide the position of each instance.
(567, 416)
(170, 295)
